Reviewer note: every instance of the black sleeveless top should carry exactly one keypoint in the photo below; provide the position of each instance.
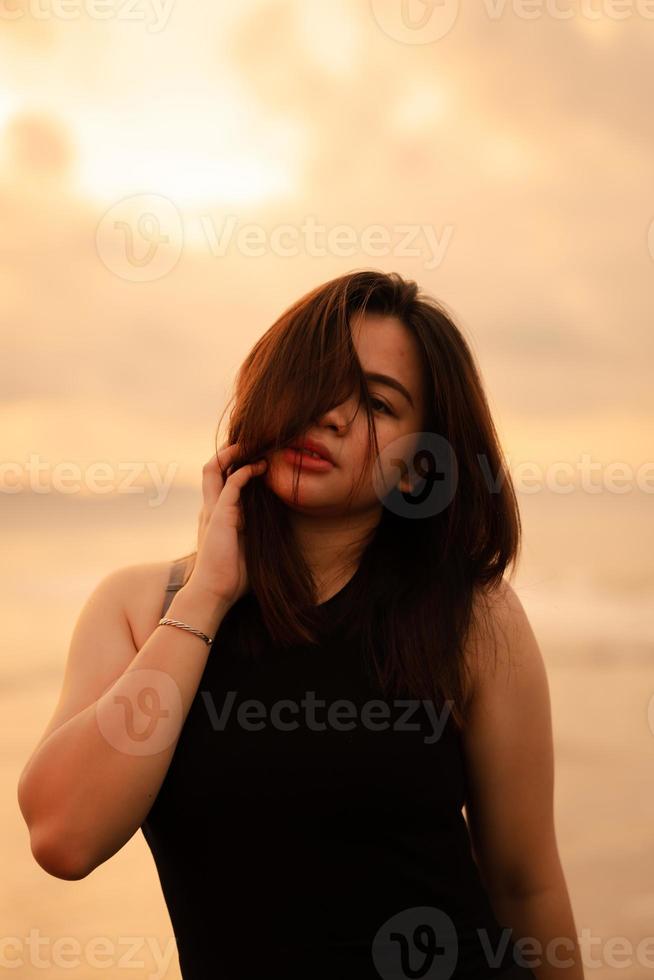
(308, 834)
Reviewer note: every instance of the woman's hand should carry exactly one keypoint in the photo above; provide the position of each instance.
(220, 568)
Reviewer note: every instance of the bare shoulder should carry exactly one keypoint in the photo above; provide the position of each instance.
(114, 623)
(142, 589)
(508, 745)
(501, 640)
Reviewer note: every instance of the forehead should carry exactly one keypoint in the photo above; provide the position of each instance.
(385, 345)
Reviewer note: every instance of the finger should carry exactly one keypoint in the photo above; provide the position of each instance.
(213, 474)
(231, 492)
(212, 482)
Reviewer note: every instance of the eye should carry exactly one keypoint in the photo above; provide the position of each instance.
(378, 401)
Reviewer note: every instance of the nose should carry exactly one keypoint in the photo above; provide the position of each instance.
(335, 418)
(340, 416)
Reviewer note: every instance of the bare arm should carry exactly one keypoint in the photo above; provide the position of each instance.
(93, 776)
(510, 807)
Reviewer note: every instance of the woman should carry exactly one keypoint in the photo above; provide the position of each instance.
(336, 671)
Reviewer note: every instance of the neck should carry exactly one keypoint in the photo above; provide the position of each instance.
(332, 546)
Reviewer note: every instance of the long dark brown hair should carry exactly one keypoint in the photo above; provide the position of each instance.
(418, 580)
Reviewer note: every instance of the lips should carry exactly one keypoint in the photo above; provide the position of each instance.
(316, 447)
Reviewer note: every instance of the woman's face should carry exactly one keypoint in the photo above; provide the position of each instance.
(384, 347)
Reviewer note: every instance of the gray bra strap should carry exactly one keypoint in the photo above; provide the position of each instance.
(174, 583)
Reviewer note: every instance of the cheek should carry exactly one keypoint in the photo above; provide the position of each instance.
(358, 453)
(387, 430)
(277, 474)
(397, 456)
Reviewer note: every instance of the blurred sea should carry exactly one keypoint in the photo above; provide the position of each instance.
(585, 575)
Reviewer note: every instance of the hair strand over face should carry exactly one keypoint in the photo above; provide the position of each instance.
(424, 583)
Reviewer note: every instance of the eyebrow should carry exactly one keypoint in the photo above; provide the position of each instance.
(386, 379)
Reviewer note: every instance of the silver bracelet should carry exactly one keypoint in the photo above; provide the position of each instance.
(184, 626)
